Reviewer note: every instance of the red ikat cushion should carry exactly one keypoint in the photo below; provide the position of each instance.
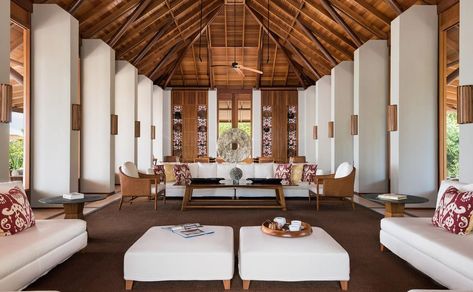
(16, 214)
(454, 211)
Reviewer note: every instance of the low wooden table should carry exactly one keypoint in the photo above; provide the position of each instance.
(73, 209)
(395, 208)
(187, 201)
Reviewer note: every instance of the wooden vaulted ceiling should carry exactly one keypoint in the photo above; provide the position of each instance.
(169, 42)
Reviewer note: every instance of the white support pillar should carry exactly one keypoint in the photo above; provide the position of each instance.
(126, 82)
(167, 136)
(157, 122)
(414, 67)
(97, 143)
(371, 98)
(342, 109)
(310, 121)
(212, 123)
(301, 121)
(466, 78)
(55, 87)
(144, 106)
(256, 123)
(5, 79)
(323, 147)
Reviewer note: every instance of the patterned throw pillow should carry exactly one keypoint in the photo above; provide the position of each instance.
(169, 172)
(296, 173)
(182, 173)
(160, 172)
(454, 211)
(283, 171)
(16, 214)
(309, 171)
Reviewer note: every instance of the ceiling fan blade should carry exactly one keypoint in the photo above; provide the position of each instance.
(239, 72)
(250, 69)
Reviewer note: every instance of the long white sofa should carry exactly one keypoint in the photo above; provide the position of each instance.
(250, 170)
(28, 255)
(445, 257)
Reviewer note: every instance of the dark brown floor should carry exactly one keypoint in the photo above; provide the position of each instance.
(99, 267)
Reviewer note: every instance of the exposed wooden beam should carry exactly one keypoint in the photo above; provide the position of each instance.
(243, 44)
(274, 64)
(195, 64)
(304, 59)
(75, 5)
(163, 61)
(260, 57)
(395, 6)
(15, 75)
(150, 44)
(373, 11)
(137, 12)
(452, 76)
(209, 59)
(327, 6)
(174, 19)
(15, 62)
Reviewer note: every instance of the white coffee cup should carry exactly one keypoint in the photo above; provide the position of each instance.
(293, 227)
(281, 221)
(296, 223)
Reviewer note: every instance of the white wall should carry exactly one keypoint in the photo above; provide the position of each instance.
(341, 111)
(157, 122)
(256, 126)
(97, 90)
(301, 119)
(466, 78)
(167, 136)
(55, 86)
(309, 122)
(414, 58)
(144, 114)
(5, 79)
(212, 125)
(323, 147)
(126, 82)
(371, 93)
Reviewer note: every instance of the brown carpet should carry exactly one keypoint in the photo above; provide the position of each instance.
(99, 267)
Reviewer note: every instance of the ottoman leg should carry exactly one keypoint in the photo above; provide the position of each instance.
(128, 284)
(344, 285)
(226, 284)
(246, 284)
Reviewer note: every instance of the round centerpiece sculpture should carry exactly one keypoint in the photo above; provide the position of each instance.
(233, 146)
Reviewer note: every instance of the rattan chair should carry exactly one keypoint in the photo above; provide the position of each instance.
(336, 186)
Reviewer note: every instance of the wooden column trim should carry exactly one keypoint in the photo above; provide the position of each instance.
(392, 118)
(153, 132)
(114, 124)
(331, 129)
(315, 133)
(354, 125)
(76, 117)
(137, 129)
(6, 96)
(465, 104)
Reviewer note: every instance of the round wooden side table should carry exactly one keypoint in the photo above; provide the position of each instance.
(73, 209)
(395, 208)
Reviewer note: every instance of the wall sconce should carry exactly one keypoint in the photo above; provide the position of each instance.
(76, 117)
(392, 118)
(465, 104)
(153, 132)
(315, 133)
(6, 96)
(137, 129)
(114, 124)
(354, 125)
(330, 129)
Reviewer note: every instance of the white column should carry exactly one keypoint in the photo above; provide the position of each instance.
(157, 122)
(466, 78)
(371, 98)
(342, 109)
(323, 147)
(167, 143)
(97, 90)
(309, 121)
(414, 58)
(55, 87)
(301, 122)
(126, 82)
(212, 123)
(256, 126)
(5, 79)
(144, 106)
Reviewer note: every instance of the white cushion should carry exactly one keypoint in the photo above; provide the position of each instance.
(248, 170)
(452, 250)
(194, 169)
(223, 170)
(264, 170)
(207, 170)
(344, 170)
(6, 186)
(129, 169)
(161, 255)
(450, 183)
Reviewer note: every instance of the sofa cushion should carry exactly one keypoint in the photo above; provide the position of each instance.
(194, 168)
(454, 211)
(344, 170)
(283, 171)
(159, 171)
(308, 172)
(223, 170)
(16, 214)
(207, 170)
(23, 248)
(264, 170)
(296, 173)
(169, 171)
(450, 249)
(182, 173)
(451, 183)
(248, 170)
(129, 168)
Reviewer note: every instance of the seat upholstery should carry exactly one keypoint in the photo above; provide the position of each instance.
(343, 170)
(129, 168)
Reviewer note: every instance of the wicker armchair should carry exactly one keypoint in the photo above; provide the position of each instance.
(339, 185)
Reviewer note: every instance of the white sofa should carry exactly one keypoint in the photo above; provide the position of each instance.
(250, 170)
(445, 257)
(28, 255)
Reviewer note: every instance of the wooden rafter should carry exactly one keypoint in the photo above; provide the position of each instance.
(15, 75)
(174, 19)
(260, 57)
(75, 5)
(196, 70)
(373, 11)
(163, 61)
(150, 44)
(209, 58)
(243, 44)
(395, 6)
(317, 43)
(304, 59)
(274, 64)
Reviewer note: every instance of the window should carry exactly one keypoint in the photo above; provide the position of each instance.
(234, 110)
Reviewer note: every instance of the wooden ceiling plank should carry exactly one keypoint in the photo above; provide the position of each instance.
(274, 64)
(243, 45)
(317, 43)
(260, 57)
(137, 12)
(15, 75)
(328, 6)
(395, 6)
(226, 39)
(182, 75)
(174, 19)
(195, 65)
(373, 11)
(163, 61)
(304, 59)
(209, 58)
(150, 44)
(75, 5)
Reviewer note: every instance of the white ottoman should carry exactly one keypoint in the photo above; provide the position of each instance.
(160, 255)
(317, 257)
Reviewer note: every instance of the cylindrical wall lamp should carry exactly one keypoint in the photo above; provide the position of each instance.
(330, 129)
(114, 124)
(6, 96)
(315, 133)
(76, 117)
(354, 125)
(153, 132)
(137, 129)
(392, 118)
(465, 104)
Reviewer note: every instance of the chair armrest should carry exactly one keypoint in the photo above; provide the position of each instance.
(152, 177)
(131, 186)
(342, 187)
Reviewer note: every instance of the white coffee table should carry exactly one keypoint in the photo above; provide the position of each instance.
(160, 255)
(317, 257)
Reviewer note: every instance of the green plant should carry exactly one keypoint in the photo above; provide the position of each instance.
(453, 140)
(16, 154)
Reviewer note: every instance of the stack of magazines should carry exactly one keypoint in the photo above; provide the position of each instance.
(189, 230)
(392, 197)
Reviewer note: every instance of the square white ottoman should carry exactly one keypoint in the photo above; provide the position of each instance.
(317, 257)
(161, 255)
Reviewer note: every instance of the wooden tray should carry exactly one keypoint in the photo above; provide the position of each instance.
(306, 230)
